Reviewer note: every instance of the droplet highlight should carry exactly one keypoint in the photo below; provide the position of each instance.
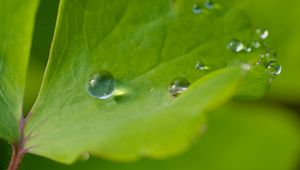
(256, 44)
(101, 84)
(274, 68)
(236, 46)
(262, 33)
(201, 66)
(267, 57)
(178, 86)
(248, 49)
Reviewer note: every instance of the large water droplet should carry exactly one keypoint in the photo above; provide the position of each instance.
(274, 68)
(101, 84)
(201, 66)
(209, 4)
(197, 9)
(178, 86)
(262, 33)
(236, 46)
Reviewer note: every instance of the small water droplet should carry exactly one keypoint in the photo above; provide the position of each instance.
(262, 33)
(255, 44)
(197, 9)
(84, 156)
(274, 68)
(245, 66)
(101, 84)
(267, 57)
(209, 4)
(248, 49)
(236, 45)
(178, 86)
(201, 66)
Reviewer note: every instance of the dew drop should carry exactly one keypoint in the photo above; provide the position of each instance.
(267, 57)
(248, 49)
(178, 86)
(255, 44)
(201, 66)
(84, 156)
(197, 9)
(274, 68)
(101, 84)
(236, 46)
(209, 4)
(245, 66)
(262, 33)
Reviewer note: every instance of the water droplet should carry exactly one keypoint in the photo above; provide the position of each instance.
(236, 46)
(101, 84)
(245, 66)
(178, 86)
(209, 4)
(274, 68)
(248, 49)
(255, 44)
(197, 9)
(262, 33)
(84, 156)
(201, 66)
(267, 57)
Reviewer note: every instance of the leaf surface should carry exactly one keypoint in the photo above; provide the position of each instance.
(144, 45)
(16, 27)
(254, 136)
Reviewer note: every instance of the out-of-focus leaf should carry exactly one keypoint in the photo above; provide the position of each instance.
(251, 137)
(281, 18)
(16, 27)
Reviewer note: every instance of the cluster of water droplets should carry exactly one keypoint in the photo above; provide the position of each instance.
(266, 58)
(102, 85)
(207, 5)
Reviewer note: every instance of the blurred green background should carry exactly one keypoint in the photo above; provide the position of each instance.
(260, 135)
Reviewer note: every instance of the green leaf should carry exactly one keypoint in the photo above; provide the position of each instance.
(144, 45)
(16, 27)
(254, 136)
(284, 37)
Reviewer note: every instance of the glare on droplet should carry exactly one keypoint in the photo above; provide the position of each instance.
(201, 66)
(255, 44)
(267, 57)
(236, 45)
(178, 86)
(262, 33)
(274, 68)
(245, 66)
(101, 84)
(120, 91)
(248, 49)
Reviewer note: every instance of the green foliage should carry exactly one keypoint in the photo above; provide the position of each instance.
(16, 25)
(255, 136)
(146, 44)
(140, 44)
